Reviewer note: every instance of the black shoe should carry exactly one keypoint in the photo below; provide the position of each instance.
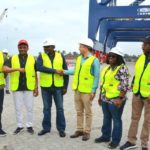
(144, 148)
(112, 145)
(2, 133)
(127, 146)
(18, 130)
(100, 140)
(30, 130)
(62, 134)
(7, 92)
(42, 132)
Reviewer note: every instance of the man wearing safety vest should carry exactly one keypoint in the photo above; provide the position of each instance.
(50, 63)
(141, 100)
(85, 83)
(2, 85)
(23, 84)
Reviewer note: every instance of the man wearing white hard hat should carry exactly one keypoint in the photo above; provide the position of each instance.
(85, 83)
(113, 87)
(5, 52)
(50, 63)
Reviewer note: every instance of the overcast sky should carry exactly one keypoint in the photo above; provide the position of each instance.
(65, 21)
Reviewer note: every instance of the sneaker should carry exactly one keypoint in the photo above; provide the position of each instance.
(7, 92)
(18, 130)
(112, 145)
(30, 130)
(100, 140)
(42, 132)
(2, 133)
(62, 134)
(127, 146)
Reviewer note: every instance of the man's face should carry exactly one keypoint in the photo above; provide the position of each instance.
(146, 48)
(49, 49)
(82, 49)
(23, 48)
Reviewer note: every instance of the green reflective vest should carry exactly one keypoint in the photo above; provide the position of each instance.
(109, 84)
(83, 79)
(2, 80)
(46, 79)
(142, 77)
(29, 71)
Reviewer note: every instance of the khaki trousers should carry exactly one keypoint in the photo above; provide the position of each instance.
(137, 106)
(83, 106)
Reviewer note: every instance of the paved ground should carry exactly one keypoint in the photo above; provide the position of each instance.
(52, 141)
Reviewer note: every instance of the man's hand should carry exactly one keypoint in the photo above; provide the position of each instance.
(35, 92)
(92, 95)
(60, 72)
(118, 102)
(21, 70)
(64, 91)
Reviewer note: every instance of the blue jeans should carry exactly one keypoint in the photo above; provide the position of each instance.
(47, 94)
(1, 104)
(112, 113)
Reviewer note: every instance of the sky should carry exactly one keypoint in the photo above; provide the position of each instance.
(66, 22)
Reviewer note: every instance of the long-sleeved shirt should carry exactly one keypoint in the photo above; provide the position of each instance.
(95, 71)
(42, 68)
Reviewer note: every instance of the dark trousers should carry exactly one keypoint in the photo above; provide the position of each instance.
(112, 113)
(47, 95)
(1, 105)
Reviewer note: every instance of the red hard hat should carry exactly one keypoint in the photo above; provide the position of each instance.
(23, 42)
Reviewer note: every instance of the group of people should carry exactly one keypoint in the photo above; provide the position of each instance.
(114, 84)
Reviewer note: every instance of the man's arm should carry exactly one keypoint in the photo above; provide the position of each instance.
(96, 73)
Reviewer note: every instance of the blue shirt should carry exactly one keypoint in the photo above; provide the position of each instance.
(95, 71)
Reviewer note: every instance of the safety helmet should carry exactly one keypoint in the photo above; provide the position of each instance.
(117, 50)
(5, 51)
(23, 42)
(49, 42)
(87, 42)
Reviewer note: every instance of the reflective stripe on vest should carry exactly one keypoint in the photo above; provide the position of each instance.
(29, 71)
(109, 84)
(46, 79)
(83, 79)
(2, 80)
(142, 77)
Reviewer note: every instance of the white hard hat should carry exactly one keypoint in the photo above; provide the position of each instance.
(87, 42)
(5, 51)
(117, 50)
(48, 42)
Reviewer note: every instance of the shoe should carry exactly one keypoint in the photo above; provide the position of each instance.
(86, 137)
(2, 133)
(76, 134)
(144, 148)
(30, 130)
(42, 132)
(127, 146)
(7, 92)
(62, 134)
(100, 140)
(112, 145)
(18, 130)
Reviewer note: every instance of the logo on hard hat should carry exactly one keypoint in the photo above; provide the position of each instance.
(143, 11)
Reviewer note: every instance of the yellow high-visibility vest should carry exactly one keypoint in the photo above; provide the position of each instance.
(2, 80)
(46, 79)
(142, 77)
(83, 79)
(109, 84)
(29, 71)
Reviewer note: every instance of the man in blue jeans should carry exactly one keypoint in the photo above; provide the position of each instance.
(50, 64)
